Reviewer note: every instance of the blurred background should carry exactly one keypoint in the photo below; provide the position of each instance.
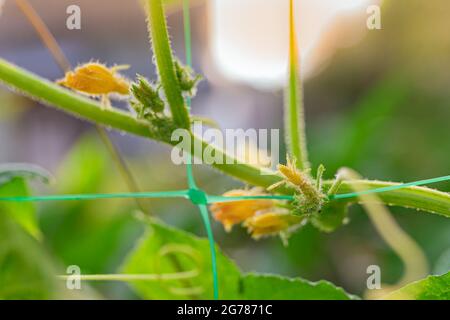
(376, 100)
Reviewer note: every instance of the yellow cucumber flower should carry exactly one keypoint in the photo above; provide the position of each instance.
(271, 223)
(235, 212)
(96, 79)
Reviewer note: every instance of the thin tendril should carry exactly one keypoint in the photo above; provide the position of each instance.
(134, 277)
(413, 258)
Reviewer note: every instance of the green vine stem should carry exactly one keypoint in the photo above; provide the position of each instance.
(294, 110)
(42, 90)
(50, 93)
(164, 61)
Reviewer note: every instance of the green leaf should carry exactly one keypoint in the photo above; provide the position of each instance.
(105, 227)
(190, 253)
(108, 241)
(272, 287)
(87, 156)
(23, 213)
(12, 183)
(25, 270)
(430, 288)
(193, 253)
(9, 171)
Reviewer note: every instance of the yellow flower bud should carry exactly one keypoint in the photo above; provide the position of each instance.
(96, 79)
(308, 197)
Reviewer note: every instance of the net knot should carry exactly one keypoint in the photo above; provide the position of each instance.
(198, 196)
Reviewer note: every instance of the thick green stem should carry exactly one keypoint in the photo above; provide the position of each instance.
(294, 111)
(39, 89)
(157, 27)
(420, 198)
(50, 93)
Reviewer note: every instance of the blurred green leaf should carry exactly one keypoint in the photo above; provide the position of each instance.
(430, 288)
(192, 253)
(9, 171)
(88, 157)
(23, 213)
(105, 227)
(25, 269)
(108, 241)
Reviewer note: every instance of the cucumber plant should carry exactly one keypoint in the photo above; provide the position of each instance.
(169, 263)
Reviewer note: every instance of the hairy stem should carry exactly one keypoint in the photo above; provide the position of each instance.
(162, 51)
(294, 111)
(39, 89)
(80, 106)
